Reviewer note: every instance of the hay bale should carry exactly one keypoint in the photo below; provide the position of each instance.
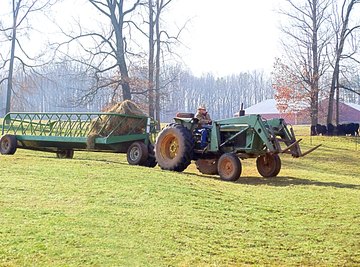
(107, 123)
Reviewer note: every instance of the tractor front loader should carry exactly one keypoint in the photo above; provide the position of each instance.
(229, 140)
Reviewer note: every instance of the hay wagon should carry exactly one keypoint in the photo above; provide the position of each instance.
(64, 133)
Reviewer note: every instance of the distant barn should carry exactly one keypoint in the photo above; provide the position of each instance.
(268, 110)
(348, 112)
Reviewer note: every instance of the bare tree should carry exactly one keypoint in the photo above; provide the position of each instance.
(164, 42)
(107, 48)
(159, 41)
(21, 11)
(304, 42)
(342, 33)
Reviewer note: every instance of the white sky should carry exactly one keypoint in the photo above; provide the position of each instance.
(229, 36)
(222, 37)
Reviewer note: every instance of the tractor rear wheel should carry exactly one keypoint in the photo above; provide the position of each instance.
(174, 148)
(268, 165)
(229, 167)
(8, 144)
(137, 153)
(207, 166)
(65, 153)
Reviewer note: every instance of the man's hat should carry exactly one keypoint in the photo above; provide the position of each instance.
(202, 107)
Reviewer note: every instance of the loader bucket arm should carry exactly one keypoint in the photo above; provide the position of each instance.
(286, 135)
(258, 135)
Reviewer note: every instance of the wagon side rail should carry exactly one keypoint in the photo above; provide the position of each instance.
(74, 125)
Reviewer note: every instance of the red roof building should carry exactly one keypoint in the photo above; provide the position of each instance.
(348, 112)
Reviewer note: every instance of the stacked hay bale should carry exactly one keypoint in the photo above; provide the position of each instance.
(107, 123)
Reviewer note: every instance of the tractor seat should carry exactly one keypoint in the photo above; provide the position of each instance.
(185, 115)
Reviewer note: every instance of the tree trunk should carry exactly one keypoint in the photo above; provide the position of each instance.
(151, 60)
(120, 51)
(337, 100)
(125, 80)
(332, 92)
(12, 59)
(314, 108)
(316, 76)
(11, 72)
(157, 65)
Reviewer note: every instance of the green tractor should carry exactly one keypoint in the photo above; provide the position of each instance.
(229, 140)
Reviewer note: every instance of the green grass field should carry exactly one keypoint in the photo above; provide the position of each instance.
(97, 210)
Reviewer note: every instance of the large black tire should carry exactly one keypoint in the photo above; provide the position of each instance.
(137, 154)
(229, 167)
(65, 153)
(174, 148)
(8, 144)
(207, 166)
(151, 160)
(268, 165)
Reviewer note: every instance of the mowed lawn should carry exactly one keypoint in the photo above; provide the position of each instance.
(96, 210)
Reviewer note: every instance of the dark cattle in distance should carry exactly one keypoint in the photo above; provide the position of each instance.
(321, 129)
(347, 129)
(357, 127)
(330, 129)
(352, 129)
(340, 129)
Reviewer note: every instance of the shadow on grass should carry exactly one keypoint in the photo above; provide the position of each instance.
(292, 181)
(89, 159)
(248, 180)
(284, 181)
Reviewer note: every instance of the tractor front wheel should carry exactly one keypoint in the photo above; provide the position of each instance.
(207, 166)
(137, 153)
(65, 153)
(174, 148)
(268, 165)
(229, 167)
(8, 144)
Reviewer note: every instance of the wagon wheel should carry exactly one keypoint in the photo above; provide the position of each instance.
(229, 167)
(151, 160)
(207, 166)
(137, 153)
(8, 144)
(65, 153)
(268, 165)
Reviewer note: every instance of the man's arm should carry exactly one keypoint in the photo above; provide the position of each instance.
(201, 118)
(208, 117)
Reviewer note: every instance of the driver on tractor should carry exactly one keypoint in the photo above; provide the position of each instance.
(204, 121)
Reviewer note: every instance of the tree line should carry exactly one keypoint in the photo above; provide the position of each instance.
(65, 87)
